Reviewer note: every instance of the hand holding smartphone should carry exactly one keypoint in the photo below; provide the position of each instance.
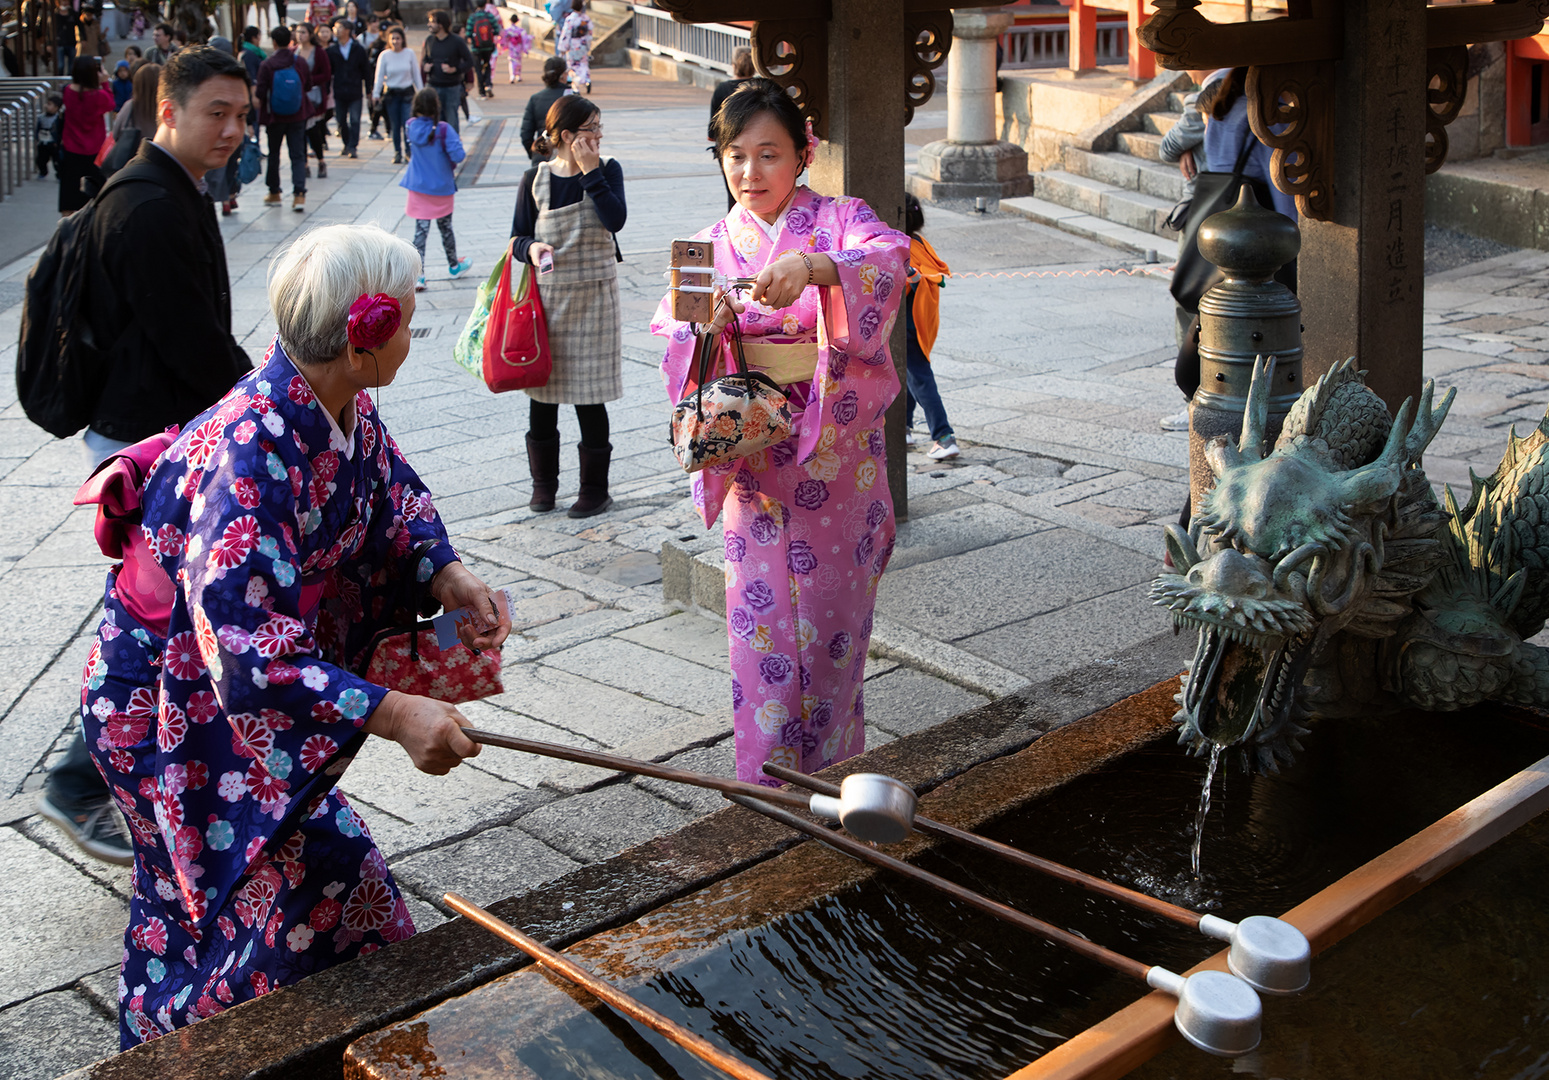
(545, 262)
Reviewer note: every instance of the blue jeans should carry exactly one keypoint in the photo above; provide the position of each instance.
(348, 113)
(397, 107)
(922, 382)
(451, 101)
(75, 785)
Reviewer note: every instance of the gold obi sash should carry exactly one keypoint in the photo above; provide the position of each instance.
(785, 364)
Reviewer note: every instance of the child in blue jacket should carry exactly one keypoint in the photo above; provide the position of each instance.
(435, 149)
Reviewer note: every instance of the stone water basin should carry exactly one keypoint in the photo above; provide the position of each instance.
(809, 966)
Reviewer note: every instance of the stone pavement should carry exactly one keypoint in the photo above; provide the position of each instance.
(1025, 558)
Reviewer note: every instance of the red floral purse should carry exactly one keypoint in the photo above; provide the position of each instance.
(408, 659)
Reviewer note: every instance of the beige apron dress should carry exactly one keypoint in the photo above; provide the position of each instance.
(581, 301)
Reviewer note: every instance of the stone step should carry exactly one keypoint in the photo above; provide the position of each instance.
(1175, 100)
(1087, 226)
(1160, 123)
(1141, 144)
(1127, 171)
(1132, 209)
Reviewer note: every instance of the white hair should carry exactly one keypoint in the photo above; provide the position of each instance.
(313, 282)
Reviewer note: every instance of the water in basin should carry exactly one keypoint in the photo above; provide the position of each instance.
(888, 980)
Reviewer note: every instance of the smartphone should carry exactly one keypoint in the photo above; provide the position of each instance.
(545, 262)
(691, 306)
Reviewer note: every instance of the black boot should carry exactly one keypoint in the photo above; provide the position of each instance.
(594, 497)
(543, 461)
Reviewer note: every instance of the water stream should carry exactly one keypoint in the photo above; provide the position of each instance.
(1204, 810)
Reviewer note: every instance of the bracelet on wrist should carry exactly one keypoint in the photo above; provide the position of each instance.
(811, 274)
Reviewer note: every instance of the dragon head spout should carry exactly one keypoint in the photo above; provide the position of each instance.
(1286, 550)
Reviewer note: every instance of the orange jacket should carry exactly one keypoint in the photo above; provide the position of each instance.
(932, 274)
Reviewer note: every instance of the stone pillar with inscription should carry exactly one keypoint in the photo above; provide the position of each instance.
(1361, 275)
(971, 162)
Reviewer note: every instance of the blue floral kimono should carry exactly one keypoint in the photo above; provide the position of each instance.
(219, 707)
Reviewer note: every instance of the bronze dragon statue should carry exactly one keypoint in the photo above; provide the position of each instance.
(1325, 581)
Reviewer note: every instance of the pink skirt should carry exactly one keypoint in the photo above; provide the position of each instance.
(428, 207)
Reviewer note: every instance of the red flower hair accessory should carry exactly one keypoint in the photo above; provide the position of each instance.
(812, 144)
(373, 321)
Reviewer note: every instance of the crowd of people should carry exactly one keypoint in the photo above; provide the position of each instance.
(336, 65)
(276, 527)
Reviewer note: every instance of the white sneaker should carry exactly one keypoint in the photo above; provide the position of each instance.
(419, 286)
(944, 448)
(1176, 422)
(909, 438)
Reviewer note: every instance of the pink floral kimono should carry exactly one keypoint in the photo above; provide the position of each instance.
(809, 522)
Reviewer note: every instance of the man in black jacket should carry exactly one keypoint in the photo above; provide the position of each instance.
(159, 291)
(162, 260)
(446, 60)
(352, 71)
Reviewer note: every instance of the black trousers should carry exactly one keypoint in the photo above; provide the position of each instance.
(47, 152)
(79, 179)
(317, 135)
(543, 423)
(293, 136)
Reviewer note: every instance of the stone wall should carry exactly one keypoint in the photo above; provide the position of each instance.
(1043, 111)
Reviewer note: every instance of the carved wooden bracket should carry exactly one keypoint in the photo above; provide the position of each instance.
(1474, 24)
(794, 53)
(1301, 98)
(927, 38)
(1448, 66)
(1182, 38)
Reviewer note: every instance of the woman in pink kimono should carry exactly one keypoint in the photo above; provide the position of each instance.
(809, 522)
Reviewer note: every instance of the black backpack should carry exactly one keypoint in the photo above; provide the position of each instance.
(60, 367)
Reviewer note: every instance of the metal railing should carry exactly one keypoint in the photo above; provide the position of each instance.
(1047, 45)
(21, 103)
(29, 32)
(709, 45)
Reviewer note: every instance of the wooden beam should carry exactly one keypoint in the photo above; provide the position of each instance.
(1183, 39)
(1471, 24)
(1142, 63)
(1083, 36)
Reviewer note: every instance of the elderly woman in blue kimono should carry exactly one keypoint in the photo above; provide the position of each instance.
(276, 537)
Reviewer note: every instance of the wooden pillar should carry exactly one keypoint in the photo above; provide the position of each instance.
(1083, 36)
(1361, 276)
(1142, 61)
(864, 153)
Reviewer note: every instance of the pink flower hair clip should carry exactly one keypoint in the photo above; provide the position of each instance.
(373, 321)
(812, 143)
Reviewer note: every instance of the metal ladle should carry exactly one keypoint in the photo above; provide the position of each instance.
(873, 807)
(1269, 954)
(1217, 1012)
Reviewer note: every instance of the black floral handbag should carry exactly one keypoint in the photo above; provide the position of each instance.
(733, 416)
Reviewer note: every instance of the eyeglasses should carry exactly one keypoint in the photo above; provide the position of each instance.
(595, 129)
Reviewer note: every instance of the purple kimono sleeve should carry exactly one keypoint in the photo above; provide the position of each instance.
(855, 377)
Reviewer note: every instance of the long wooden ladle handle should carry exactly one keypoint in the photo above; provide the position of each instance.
(723, 784)
(605, 992)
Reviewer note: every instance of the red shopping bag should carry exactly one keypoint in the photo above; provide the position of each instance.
(516, 338)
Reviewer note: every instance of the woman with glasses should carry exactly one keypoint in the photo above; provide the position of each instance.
(567, 211)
